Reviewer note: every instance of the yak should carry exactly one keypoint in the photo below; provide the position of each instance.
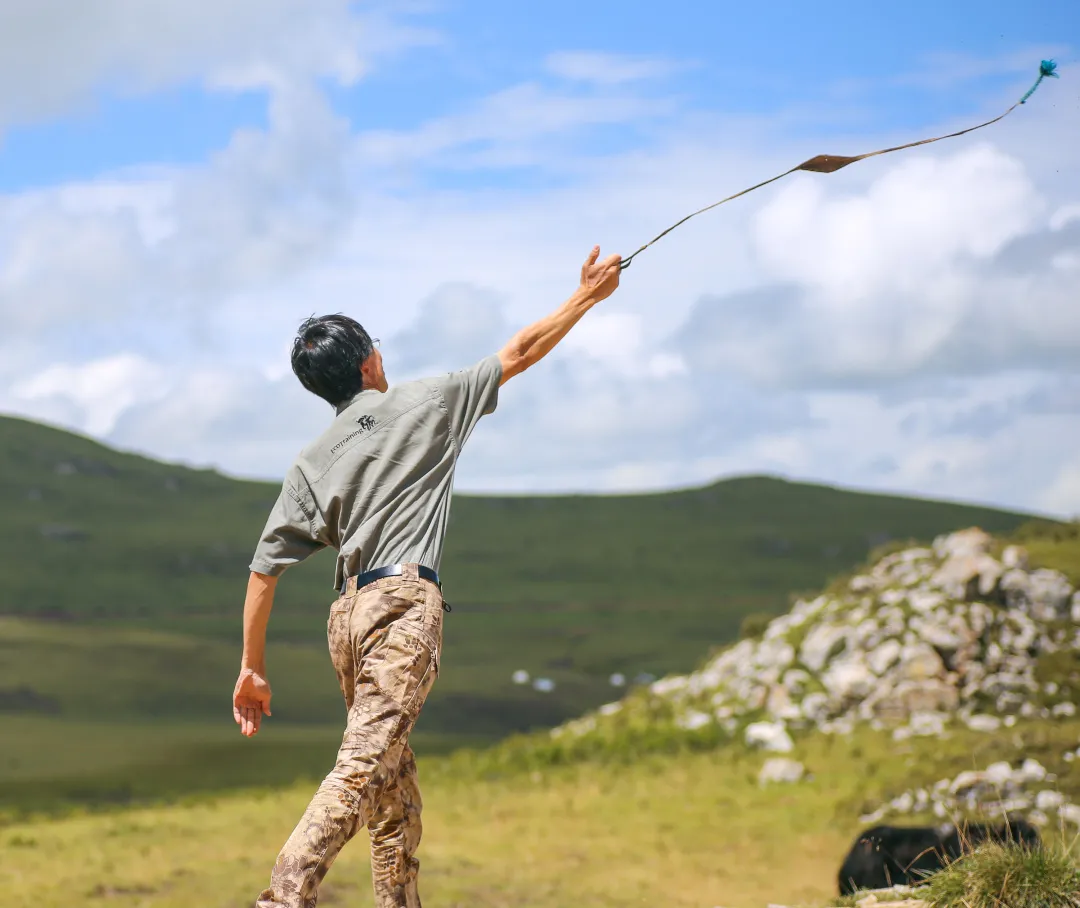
(887, 856)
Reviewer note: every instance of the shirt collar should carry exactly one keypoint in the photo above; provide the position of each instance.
(344, 405)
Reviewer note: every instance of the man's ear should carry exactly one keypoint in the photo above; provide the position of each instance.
(367, 370)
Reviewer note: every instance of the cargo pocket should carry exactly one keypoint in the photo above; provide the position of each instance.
(402, 667)
(339, 642)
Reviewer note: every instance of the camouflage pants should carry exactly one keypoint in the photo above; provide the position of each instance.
(385, 640)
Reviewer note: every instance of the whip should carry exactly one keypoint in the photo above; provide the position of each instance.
(829, 163)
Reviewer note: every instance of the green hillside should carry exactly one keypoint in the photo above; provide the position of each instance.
(572, 588)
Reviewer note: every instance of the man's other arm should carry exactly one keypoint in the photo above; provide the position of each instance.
(288, 538)
(251, 696)
(526, 348)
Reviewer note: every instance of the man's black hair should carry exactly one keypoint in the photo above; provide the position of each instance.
(327, 354)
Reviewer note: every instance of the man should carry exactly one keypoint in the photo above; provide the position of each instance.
(376, 486)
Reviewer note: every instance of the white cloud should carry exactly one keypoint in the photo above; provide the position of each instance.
(524, 125)
(56, 55)
(608, 69)
(100, 390)
(1063, 495)
(925, 217)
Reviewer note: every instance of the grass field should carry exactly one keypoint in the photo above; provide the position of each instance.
(678, 830)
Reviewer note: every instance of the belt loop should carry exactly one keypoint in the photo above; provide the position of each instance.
(410, 572)
(350, 585)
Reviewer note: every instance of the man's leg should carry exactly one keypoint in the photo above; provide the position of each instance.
(392, 680)
(395, 830)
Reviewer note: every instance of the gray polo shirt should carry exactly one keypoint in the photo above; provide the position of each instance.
(376, 485)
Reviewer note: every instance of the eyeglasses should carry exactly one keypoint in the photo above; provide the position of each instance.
(375, 342)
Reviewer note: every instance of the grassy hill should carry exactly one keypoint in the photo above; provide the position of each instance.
(124, 578)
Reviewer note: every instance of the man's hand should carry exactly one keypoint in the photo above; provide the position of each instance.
(251, 698)
(599, 280)
(530, 345)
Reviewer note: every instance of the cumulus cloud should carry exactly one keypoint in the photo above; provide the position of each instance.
(947, 264)
(175, 246)
(55, 55)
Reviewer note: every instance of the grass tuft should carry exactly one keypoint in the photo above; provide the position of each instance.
(1007, 876)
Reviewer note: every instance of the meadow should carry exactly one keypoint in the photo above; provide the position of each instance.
(677, 829)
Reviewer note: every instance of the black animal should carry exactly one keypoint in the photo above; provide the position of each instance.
(886, 856)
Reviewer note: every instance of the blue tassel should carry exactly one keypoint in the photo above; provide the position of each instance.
(1046, 68)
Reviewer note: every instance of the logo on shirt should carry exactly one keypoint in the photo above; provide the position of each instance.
(366, 422)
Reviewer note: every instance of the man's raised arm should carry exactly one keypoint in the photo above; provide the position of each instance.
(530, 345)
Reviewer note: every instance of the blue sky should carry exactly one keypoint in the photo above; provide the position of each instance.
(181, 183)
(878, 65)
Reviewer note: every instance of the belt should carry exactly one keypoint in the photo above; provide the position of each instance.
(391, 570)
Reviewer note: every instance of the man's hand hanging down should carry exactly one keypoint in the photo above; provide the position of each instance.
(251, 698)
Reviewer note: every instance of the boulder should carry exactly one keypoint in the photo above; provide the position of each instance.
(898, 703)
(824, 642)
(849, 679)
(781, 770)
(770, 736)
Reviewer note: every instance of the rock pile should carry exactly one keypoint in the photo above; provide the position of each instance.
(999, 790)
(926, 636)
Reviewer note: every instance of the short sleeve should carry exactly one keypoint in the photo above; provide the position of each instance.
(287, 538)
(470, 394)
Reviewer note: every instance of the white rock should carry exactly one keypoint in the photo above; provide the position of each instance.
(520, 677)
(693, 720)
(983, 722)
(1070, 813)
(815, 706)
(820, 643)
(1066, 708)
(1051, 595)
(617, 680)
(919, 662)
(794, 680)
(667, 686)
(1032, 771)
(966, 573)
(781, 769)
(860, 583)
(1049, 800)
(1014, 557)
(884, 657)
(905, 803)
(848, 678)
(928, 724)
(771, 736)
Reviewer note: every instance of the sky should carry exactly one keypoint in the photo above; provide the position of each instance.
(181, 183)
